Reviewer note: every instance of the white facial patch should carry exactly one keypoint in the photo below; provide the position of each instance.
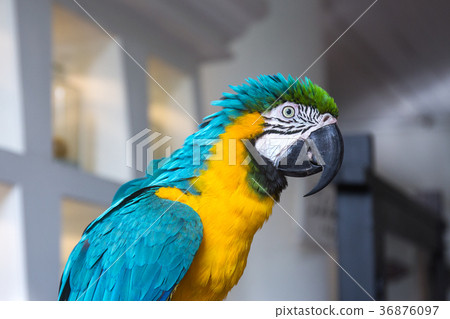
(283, 129)
(274, 147)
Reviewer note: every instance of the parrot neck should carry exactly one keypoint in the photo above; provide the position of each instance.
(266, 179)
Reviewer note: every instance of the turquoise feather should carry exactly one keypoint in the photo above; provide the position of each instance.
(169, 235)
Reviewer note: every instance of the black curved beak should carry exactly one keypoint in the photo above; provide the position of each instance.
(322, 151)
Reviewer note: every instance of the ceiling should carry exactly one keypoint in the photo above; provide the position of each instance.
(394, 61)
(204, 27)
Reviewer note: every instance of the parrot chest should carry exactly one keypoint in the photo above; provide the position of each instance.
(231, 213)
(228, 229)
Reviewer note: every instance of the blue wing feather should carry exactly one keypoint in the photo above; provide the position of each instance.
(139, 249)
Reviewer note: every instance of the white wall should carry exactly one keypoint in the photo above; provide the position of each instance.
(281, 266)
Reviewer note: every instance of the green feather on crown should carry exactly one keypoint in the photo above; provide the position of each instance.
(272, 90)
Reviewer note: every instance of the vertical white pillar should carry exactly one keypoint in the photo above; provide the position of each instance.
(41, 209)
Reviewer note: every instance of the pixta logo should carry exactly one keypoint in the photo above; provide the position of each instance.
(141, 149)
(281, 148)
(146, 146)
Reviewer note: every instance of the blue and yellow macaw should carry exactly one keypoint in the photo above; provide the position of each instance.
(184, 232)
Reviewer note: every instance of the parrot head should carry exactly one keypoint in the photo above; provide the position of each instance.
(300, 136)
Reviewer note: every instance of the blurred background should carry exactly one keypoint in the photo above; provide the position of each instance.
(71, 97)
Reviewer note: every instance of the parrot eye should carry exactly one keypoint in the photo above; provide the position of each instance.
(288, 111)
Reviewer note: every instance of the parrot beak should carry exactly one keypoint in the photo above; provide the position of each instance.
(322, 151)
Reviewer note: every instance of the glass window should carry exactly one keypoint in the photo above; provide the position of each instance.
(165, 115)
(12, 247)
(11, 125)
(89, 116)
(76, 215)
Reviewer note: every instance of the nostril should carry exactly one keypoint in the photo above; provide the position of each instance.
(326, 117)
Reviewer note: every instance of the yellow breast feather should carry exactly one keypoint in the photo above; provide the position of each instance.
(231, 213)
